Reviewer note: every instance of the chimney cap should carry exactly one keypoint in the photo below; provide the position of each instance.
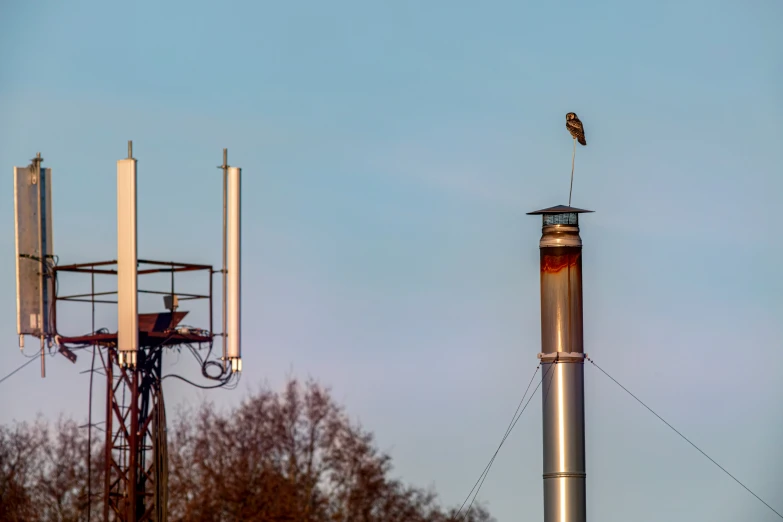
(559, 209)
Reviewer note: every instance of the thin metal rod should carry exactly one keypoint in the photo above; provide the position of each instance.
(175, 264)
(89, 439)
(95, 294)
(89, 410)
(211, 326)
(133, 442)
(54, 299)
(80, 300)
(173, 308)
(92, 292)
(108, 364)
(225, 255)
(573, 156)
(180, 296)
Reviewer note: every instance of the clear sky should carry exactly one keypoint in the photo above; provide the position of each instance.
(390, 150)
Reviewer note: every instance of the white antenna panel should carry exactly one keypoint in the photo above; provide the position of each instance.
(127, 264)
(34, 250)
(234, 351)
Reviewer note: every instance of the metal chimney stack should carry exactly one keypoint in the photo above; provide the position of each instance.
(562, 361)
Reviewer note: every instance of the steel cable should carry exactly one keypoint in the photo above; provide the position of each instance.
(514, 419)
(686, 439)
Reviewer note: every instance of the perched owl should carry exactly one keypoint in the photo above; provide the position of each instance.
(575, 127)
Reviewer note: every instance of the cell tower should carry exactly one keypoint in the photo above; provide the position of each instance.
(135, 480)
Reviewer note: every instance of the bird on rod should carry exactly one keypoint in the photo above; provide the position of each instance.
(577, 130)
(575, 127)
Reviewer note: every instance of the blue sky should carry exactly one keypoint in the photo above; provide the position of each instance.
(390, 151)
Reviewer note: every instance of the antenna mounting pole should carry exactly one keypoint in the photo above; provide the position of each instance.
(224, 271)
(42, 258)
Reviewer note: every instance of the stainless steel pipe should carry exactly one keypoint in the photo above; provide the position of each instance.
(562, 357)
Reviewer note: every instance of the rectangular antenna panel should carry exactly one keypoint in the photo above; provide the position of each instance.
(234, 351)
(34, 244)
(127, 259)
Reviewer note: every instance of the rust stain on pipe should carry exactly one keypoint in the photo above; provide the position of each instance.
(561, 299)
(552, 264)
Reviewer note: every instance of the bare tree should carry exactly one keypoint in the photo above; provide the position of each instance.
(290, 456)
(18, 454)
(43, 472)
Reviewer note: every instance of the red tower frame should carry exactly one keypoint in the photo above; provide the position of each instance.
(135, 482)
